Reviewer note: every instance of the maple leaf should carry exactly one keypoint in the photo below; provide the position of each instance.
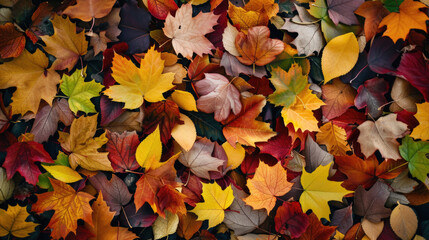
(414, 152)
(66, 45)
(243, 128)
(146, 82)
(87, 10)
(257, 48)
(422, 130)
(22, 156)
(115, 190)
(334, 137)
(13, 222)
(288, 85)
(215, 202)
(79, 92)
(338, 98)
(46, 121)
(83, 147)
(164, 226)
(122, 148)
(291, 220)
(339, 56)
(69, 206)
(318, 190)
(343, 11)
(187, 32)
(370, 204)
(373, 12)
(267, 184)
(201, 65)
(300, 114)
(269, 6)
(33, 80)
(161, 8)
(243, 219)
(409, 17)
(316, 230)
(217, 95)
(101, 218)
(381, 135)
(188, 225)
(12, 41)
(200, 160)
(247, 19)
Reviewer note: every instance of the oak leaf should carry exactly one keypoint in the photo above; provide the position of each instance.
(66, 45)
(13, 222)
(83, 147)
(243, 128)
(69, 206)
(87, 10)
(33, 80)
(101, 228)
(79, 92)
(135, 83)
(257, 48)
(409, 17)
(381, 135)
(422, 115)
(334, 137)
(267, 184)
(215, 202)
(338, 98)
(217, 95)
(187, 32)
(318, 190)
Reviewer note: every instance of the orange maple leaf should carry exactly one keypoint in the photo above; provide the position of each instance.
(409, 17)
(69, 206)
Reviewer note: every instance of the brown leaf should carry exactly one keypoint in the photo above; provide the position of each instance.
(12, 42)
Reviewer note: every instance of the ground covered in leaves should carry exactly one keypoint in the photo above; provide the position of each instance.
(214, 119)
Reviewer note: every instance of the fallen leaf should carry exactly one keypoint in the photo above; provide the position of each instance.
(122, 148)
(188, 225)
(415, 153)
(149, 151)
(161, 8)
(373, 12)
(338, 97)
(343, 11)
(185, 134)
(256, 47)
(164, 226)
(215, 202)
(6, 186)
(63, 173)
(247, 19)
(409, 17)
(217, 95)
(187, 32)
(66, 45)
(146, 82)
(233, 67)
(334, 137)
(201, 65)
(89, 10)
(370, 204)
(339, 56)
(405, 96)
(387, 130)
(404, 221)
(343, 219)
(372, 229)
(371, 95)
(316, 230)
(69, 206)
(267, 184)
(318, 190)
(315, 156)
(421, 131)
(13, 222)
(185, 100)
(12, 41)
(290, 219)
(414, 69)
(228, 39)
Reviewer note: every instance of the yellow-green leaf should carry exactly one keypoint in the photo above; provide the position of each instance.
(339, 56)
(149, 151)
(63, 173)
(164, 226)
(80, 92)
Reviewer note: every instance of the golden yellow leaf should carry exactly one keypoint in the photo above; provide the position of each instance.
(247, 19)
(185, 134)
(185, 100)
(422, 115)
(334, 137)
(83, 147)
(63, 173)
(149, 151)
(13, 222)
(339, 56)
(66, 45)
(215, 202)
(235, 154)
(270, 7)
(135, 83)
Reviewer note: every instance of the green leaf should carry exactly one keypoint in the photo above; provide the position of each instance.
(415, 152)
(392, 5)
(80, 92)
(288, 85)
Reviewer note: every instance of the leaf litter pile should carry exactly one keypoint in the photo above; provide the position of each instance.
(214, 119)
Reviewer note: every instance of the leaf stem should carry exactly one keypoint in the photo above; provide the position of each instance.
(126, 217)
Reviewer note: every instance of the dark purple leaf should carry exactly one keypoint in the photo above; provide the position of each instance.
(370, 204)
(382, 54)
(371, 95)
(343, 219)
(360, 72)
(144, 217)
(109, 110)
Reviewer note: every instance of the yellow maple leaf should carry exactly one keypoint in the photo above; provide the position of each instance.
(422, 115)
(318, 190)
(66, 45)
(135, 83)
(409, 17)
(247, 18)
(33, 80)
(300, 113)
(215, 202)
(13, 222)
(270, 7)
(267, 183)
(334, 137)
(83, 146)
